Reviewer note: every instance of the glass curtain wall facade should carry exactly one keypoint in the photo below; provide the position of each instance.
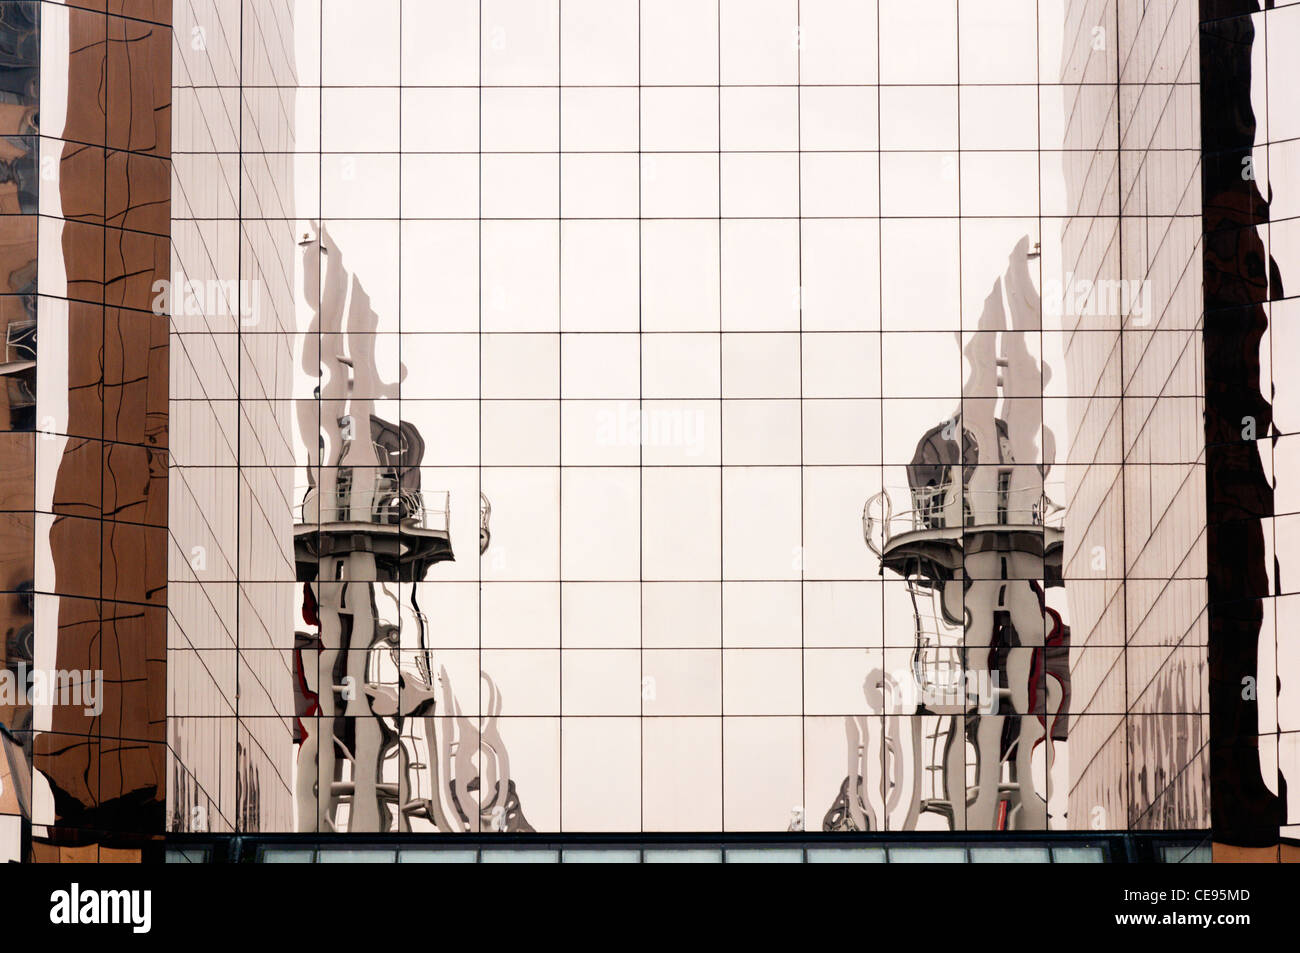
(85, 213)
(1133, 253)
(233, 601)
(647, 416)
(819, 383)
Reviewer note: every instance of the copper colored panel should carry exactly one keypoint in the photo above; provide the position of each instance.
(135, 484)
(83, 261)
(43, 853)
(85, 369)
(87, 62)
(1228, 854)
(135, 685)
(65, 853)
(137, 192)
(156, 11)
(14, 308)
(135, 377)
(17, 548)
(79, 650)
(139, 87)
(79, 644)
(126, 374)
(106, 770)
(17, 645)
(119, 855)
(17, 471)
(77, 492)
(81, 183)
(76, 556)
(17, 558)
(103, 783)
(133, 263)
(156, 398)
(135, 563)
(18, 155)
(133, 785)
(66, 755)
(70, 764)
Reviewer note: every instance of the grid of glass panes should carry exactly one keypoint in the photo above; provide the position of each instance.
(678, 287)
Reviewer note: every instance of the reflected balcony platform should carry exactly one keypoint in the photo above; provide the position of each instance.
(407, 530)
(942, 526)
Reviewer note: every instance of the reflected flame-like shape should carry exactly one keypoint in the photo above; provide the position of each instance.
(976, 548)
(383, 745)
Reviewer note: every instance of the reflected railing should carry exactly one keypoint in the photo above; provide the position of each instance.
(944, 506)
(381, 501)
